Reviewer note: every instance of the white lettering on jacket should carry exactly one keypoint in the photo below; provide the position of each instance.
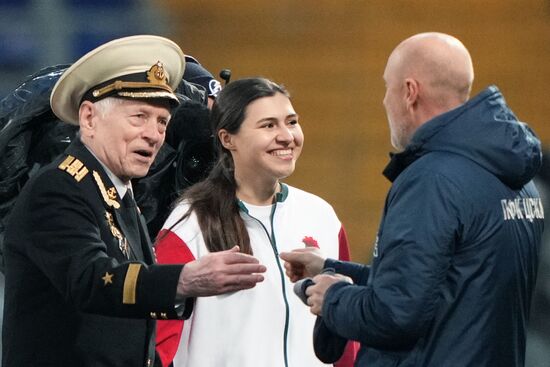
(522, 209)
(375, 248)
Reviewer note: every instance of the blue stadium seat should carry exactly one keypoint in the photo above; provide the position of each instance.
(82, 42)
(14, 3)
(100, 3)
(18, 50)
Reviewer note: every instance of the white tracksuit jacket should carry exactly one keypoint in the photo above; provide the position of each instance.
(268, 325)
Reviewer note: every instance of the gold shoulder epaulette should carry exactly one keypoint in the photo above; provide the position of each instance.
(109, 196)
(74, 167)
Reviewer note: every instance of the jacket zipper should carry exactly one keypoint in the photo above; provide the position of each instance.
(273, 243)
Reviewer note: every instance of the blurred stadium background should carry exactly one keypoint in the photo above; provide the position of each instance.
(331, 56)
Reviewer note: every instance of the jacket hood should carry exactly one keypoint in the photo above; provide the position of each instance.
(484, 130)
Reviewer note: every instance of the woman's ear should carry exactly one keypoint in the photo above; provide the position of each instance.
(226, 139)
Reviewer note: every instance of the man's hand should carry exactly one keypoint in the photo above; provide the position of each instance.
(316, 292)
(302, 263)
(218, 273)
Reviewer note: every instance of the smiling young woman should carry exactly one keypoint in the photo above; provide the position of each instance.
(244, 202)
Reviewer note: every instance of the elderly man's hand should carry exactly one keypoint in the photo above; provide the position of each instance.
(302, 263)
(218, 273)
(316, 292)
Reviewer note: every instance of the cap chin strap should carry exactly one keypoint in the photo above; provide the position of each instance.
(119, 85)
(151, 94)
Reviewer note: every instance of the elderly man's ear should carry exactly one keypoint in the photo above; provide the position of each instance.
(86, 113)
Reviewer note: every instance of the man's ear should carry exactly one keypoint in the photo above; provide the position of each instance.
(226, 139)
(85, 118)
(412, 90)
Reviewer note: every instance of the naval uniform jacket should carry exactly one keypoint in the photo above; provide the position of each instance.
(74, 295)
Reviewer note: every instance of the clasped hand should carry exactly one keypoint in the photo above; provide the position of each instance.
(309, 262)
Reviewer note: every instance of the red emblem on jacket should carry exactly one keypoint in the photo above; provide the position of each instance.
(310, 242)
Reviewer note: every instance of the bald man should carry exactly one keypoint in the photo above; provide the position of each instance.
(455, 259)
(426, 75)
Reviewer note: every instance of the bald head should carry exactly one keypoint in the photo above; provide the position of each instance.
(440, 63)
(426, 75)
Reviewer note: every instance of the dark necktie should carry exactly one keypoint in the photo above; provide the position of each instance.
(130, 215)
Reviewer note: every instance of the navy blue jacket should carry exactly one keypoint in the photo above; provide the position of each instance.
(455, 260)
